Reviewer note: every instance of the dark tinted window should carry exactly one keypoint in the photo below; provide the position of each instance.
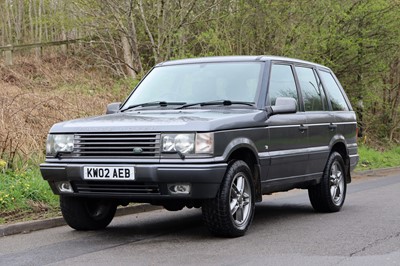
(322, 91)
(310, 89)
(335, 95)
(281, 83)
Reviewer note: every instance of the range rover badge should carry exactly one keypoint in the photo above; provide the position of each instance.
(137, 150)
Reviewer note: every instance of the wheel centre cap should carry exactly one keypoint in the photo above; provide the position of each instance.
(240, 199)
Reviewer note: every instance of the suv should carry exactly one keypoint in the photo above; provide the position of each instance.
(216, 133)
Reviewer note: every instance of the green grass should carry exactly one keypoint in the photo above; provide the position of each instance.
(25, 191)
(374, 159)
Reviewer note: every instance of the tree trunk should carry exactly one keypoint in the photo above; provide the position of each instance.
(7, 7)
(128, 57)
(133, 41)
(148, 31)
(39, 21)
(19, 22)
(32, 32)
(3, 28)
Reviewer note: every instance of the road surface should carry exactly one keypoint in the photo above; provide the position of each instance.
(285, 231)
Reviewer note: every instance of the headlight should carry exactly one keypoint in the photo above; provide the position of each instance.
(205, 143)
(59, 143)
(188, 143)
(183, 143)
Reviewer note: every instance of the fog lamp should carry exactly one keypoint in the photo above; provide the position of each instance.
(64, 187)
(179, 188)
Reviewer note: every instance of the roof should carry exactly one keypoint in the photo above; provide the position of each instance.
(237, 58)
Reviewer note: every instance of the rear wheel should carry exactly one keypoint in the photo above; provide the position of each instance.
(330, 193)
(231, 212)
(87, 214)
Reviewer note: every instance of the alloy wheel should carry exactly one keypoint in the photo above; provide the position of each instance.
(240, 199)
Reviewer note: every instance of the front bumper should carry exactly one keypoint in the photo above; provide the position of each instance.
(150, 184)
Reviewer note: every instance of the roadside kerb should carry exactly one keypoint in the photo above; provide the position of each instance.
(376, 171)
(26, 227)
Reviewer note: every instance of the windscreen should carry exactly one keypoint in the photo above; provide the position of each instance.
(193, 83)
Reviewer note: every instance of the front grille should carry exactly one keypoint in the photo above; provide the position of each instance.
(94, 187)
(117, 145)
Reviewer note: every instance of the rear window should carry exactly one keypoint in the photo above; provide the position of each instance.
(313, 94)
(335, 94)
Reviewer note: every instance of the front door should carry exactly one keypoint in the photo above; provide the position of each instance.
(288, 132)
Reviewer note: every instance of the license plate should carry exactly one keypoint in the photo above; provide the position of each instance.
(109, 173)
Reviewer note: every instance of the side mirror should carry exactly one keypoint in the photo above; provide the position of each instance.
(284, 105)
(113, 108)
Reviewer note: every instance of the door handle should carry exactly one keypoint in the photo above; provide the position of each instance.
(302, 128)
(332, 127)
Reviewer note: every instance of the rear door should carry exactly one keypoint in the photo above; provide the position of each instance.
(320, 121)
(345, 118)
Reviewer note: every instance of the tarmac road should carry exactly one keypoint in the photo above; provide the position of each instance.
(285, 231)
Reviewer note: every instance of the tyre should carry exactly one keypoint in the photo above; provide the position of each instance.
(330, 193)
(87, 214)
(231, 212)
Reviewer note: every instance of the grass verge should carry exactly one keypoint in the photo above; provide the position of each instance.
(25, 195)
(374, 159)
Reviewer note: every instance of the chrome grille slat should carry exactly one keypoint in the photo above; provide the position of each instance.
(119, 143)
(137, 145)
(114, 138)
(115, 148)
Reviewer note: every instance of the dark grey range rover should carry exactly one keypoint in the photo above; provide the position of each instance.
(215, 133)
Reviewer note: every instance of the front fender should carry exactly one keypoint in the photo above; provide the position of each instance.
(236, 144)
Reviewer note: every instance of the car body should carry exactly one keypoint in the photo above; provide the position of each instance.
(209, 132)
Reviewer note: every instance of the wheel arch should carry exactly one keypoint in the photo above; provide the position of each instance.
(247, 152)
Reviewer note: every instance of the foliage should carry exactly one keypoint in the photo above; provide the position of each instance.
(373, 159)
(25, 190)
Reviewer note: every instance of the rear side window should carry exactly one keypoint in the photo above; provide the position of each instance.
(311, 90)
(335, 95)
(282, 83)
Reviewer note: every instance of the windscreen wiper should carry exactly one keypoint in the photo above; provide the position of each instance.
(218, 102)
(156, 103)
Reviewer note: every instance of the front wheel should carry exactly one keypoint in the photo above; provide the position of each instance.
(231, 212)
(329, 194)
(87, 214)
